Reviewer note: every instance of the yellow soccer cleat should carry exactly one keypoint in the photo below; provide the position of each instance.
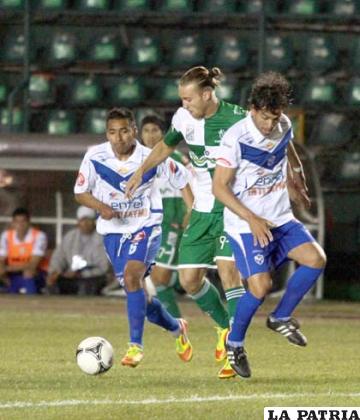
(226, 371)
(133, 356)
(183, 346)
(220, 351)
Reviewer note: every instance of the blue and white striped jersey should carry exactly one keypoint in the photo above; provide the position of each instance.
(105, 177)
(260, 179)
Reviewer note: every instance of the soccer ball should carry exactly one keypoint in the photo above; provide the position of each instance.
(94, 355)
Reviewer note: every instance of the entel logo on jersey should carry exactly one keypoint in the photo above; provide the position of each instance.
(259, 259)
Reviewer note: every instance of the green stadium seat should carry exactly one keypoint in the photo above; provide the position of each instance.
(4, 91)
(344, 8)
(127, 91)
(228, 90)
(93, 5)
(14, 48)
(94, 121)
(52, 5)
(279, 54)
(302, 7)
(167, 91)
(353, 92)
(86, 92)
(61, 122)
(132, 5)
(104, 48)
(41, 90)
(231, 52)
(350, 168)
(320, 91)
(144, 52)
(330, 129)
(175, 6)
(355, 55)
(187, 52)
(320, 54)
(251, 7)
(63, 48)
(12, 4)
(17, 120)
(217, 6)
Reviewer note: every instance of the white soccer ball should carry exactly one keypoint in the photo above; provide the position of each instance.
(94, 355)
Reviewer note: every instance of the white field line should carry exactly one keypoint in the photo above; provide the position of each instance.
(173, 400)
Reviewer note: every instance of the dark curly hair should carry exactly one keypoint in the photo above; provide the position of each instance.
(270, 91)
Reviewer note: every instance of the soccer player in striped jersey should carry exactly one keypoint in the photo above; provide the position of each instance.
(164, 273)
(201, 122)
(251, 181)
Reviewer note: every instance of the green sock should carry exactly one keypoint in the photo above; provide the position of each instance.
(209, 301)
(167, 297)
(232, 297)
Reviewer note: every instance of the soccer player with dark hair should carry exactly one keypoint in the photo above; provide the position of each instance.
(251, 181)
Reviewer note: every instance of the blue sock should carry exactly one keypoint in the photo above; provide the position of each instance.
(157, 314)
(246, 307)
(136, 308)
(299, 284)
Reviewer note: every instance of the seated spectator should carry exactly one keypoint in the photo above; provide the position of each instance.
(22, 252)
(79, 265)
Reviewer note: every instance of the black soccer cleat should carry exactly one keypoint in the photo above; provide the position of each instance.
(238, 360)
(289, 329)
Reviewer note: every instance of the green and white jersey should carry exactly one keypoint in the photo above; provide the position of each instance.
(203, 138)
(174, 207)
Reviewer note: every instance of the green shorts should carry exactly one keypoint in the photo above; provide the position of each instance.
(204, 241)
(169, 249)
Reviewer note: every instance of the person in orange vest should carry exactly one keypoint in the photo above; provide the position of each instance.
(22, 252)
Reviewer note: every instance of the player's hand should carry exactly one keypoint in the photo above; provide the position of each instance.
(107, 212)
(133, 184)
(260, 229)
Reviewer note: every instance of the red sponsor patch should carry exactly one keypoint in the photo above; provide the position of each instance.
(139, 237)
(80, 180)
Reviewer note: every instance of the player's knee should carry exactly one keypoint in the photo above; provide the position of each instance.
(132, 281)
(316, 259)
(260, 289)
(190, 284)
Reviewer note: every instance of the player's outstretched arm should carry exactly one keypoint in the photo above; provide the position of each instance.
(158, 154)
(259, 227)
(88, 200)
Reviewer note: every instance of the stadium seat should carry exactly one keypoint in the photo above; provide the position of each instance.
(127, 91)
(93, 5)
(231, 52)
(279, 53)
(11, 4)
(255, 6)
(344, 7)
(187, 52)
(217, 6)
(132, 5)
(94, 121)
(228, 90)
(144, 52)
(167, 91)
(14, 48)
(175, 6)
(320, 54)
(52, 5)
(302, 7)
(350, 168)
(4, 90)
(86, 91)
(17, 120)
(60, 122)
(63, 48)
(330, 129)
(319, 91)
(104, 48)
(353, 92)
(41, 89)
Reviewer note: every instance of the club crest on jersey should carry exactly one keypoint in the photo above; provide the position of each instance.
(259, 259)
(270, 145)
(189, 133)
(139, 237)
(123, 171)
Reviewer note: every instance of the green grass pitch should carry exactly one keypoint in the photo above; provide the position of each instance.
(40, 378)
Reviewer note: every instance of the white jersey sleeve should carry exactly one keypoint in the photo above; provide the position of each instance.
(40, 245)
(86, 179)
(174, 172)
(3, 245)
(229, 154)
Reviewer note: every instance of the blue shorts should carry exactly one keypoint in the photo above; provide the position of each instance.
(19, 284)
(142, 245)
(252, 259)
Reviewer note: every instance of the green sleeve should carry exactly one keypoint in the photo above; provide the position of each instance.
(173, 137)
